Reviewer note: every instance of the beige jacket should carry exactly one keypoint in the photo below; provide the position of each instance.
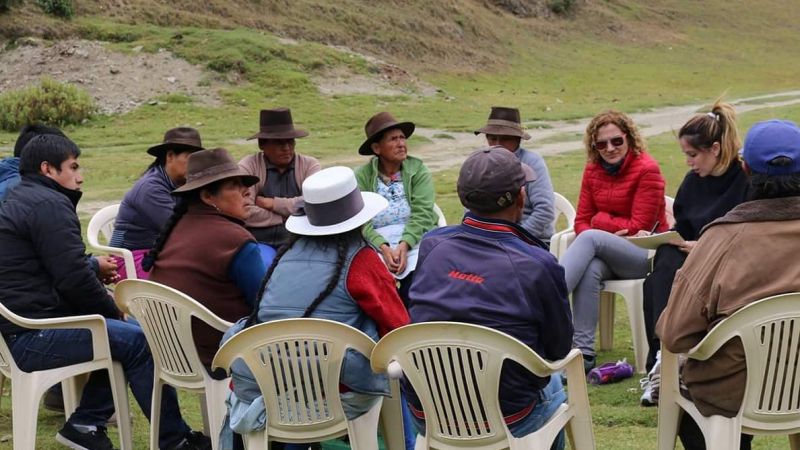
(744, 256)
(256, 164)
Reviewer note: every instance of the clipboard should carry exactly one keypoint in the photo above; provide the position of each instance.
(653, 241)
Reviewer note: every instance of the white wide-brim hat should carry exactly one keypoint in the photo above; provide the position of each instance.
(334, 204)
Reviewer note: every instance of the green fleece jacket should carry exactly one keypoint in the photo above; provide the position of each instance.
(418, 186)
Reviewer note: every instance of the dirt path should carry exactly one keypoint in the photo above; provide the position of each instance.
(449, 149)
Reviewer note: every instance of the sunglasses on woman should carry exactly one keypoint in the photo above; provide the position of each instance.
(615, 141)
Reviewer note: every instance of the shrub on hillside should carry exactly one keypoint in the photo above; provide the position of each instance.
(60, 8)
(50, 102)
(561, 7)
(5, 5)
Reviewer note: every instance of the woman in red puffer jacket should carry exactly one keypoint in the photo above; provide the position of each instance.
(622, 194)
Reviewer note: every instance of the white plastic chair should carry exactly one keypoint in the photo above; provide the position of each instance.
(165, 315)
(102, 223)
(28, 387)
(296, 363)
(455, 371)
(563, 207)
(632, 292)
(769, 330)
(629, 290)
(442, 222)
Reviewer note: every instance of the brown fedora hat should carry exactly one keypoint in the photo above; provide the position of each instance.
(183, 138)
(379, 123)
(277, 124)
(504, 122)
(208, 166)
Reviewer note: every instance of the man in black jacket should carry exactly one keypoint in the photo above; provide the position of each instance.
(44, 273)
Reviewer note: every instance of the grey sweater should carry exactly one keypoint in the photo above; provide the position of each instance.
(538, 213)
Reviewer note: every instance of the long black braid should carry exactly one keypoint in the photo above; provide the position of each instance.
(342, 242)
(181, 206)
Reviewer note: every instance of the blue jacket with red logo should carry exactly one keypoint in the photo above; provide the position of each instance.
(493, 273)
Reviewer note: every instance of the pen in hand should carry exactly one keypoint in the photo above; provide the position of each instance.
(658, 222)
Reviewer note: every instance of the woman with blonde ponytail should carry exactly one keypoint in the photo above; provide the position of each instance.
(714, 185)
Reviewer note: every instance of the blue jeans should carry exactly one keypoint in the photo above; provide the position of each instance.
(48, 349)
(596, 256)
(550, 398)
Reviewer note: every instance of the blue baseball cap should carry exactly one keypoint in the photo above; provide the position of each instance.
(771, 139)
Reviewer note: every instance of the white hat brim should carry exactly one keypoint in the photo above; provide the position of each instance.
(373, 204)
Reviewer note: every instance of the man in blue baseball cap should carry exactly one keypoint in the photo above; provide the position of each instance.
(740, 258)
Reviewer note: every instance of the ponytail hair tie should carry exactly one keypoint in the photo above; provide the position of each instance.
(713, 115)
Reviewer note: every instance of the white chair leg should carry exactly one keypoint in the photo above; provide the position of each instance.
(155, 413)
(606, 320)
(669, 412)
(721, 433)
(634, 302)
(120, 392)
(216, 393)
(392, 419)
(256, 440)
(25, 412)
(362, 429)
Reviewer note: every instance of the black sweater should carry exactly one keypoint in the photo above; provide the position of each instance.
(702, 200)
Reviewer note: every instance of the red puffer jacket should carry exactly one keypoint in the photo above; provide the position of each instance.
(633, 199)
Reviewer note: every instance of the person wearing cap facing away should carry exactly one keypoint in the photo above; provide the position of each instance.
(622, 194)
(327, 270)
(406, 184)
(45, 275)
(223, 273)
(490, 271)
(740, 258)
(147, 206)
(504, 129)
(281, 172)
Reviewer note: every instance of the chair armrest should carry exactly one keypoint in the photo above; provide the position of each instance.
(560, 241)
(124, 253)
(95, 323)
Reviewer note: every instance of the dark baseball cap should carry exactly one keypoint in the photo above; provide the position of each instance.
(490, 179)
(769, 140)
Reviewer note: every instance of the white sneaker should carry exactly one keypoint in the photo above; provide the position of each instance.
(651, 384)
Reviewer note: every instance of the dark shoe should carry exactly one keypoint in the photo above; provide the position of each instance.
(92, 440)
(54, 399)
(588, 363)
(194, 440)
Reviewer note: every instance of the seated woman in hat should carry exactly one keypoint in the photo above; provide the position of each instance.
(281, 171)
(204, 250)
(147, 206)
(328, 271)
(406, 184)
(622, 194)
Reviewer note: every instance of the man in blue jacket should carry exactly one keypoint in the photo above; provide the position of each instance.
(504, 129)
(490, 271)
(9, 167)
(45, 275)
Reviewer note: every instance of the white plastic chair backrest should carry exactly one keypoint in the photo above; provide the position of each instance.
(563, 207)
(102, 222)
(669, 202)
(296, 363)
(770, 333)
(442, 221)
(165, 316)
(455, 371)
